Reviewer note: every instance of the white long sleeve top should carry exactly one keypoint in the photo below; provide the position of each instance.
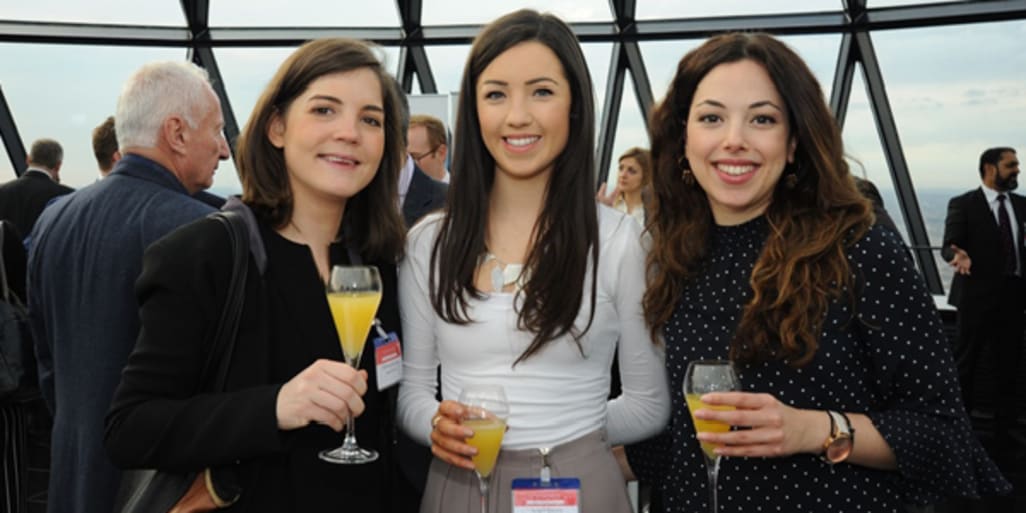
(558, 394)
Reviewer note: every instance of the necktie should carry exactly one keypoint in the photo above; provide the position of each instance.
(1007, 243)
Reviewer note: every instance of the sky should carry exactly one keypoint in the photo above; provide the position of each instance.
(955, 90)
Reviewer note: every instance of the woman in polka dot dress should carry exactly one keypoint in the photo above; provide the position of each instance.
(764, 252)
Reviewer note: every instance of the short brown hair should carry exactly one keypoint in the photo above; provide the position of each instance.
(47, 153)
(371, 221)
(105, 144)
(434, 127)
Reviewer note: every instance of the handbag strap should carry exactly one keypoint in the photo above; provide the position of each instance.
(228, 325)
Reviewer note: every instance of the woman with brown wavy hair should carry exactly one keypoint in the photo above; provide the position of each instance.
(764, 252)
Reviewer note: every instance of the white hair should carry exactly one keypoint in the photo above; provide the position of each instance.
(155, 92)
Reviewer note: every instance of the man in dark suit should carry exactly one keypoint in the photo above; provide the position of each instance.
(423, 194)
(23, 199)
(86, 253)
(983, 241)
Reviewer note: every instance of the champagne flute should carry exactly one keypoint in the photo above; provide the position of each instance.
(486, 411)
(702, 377)
(354, 293)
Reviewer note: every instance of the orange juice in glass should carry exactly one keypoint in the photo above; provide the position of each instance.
(354, 293)
(703, 377)
(485, 413)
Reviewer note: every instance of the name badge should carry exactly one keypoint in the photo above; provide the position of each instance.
(388, 357)
(560, 495)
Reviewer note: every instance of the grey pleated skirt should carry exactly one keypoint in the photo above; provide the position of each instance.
(603, 489)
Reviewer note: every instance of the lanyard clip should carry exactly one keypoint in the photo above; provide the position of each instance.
(379, 329)
(546, 472)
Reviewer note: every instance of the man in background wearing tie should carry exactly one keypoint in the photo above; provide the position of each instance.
(983, 241)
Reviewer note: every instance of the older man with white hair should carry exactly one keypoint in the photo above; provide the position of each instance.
(86, 253)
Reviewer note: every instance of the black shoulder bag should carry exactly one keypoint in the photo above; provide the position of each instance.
(15, 343)
(154, 491)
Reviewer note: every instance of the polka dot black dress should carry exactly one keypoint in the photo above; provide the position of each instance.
(891, 362)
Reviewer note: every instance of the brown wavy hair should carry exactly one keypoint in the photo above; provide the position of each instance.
(567, 228)
(803, 265)
(371, 220)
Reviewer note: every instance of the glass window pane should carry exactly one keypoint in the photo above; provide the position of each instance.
(454, 12)
(447, 65)
(662, 9)
(301, 13)
(6, 169)
(50, 108)
(597, 56)
(122, 12)
(820, 53)
(866, 156)
(661, 59)
(952, 99)
(630, 131)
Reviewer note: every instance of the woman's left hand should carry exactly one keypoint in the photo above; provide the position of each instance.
(770, 428)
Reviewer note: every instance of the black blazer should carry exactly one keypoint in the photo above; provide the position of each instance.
(424, 195)
(159, 420)
(22, 200)
(971, 225)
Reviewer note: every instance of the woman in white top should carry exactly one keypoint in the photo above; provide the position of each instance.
(523, 282)
(633, 184)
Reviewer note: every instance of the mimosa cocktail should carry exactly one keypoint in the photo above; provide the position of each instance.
(353, 313)
(706, 426)
(354, 293)
(485, 410)
(703, 377)
(487, 439)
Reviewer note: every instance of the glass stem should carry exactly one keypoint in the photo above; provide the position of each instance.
(482, 483)
(349, 442)
(712, 467)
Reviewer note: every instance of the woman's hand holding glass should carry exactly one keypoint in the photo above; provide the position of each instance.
(774, 429)
(326, 393)
(448, 437)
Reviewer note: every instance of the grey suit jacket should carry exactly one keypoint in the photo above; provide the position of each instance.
(85, 255)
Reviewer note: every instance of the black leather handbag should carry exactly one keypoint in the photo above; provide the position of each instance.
(155, 491)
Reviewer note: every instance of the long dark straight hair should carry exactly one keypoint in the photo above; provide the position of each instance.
(567, 229)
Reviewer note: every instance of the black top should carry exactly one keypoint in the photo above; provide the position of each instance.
(892, 363)
(157, 420)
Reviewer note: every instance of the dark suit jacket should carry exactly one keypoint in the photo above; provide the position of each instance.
(424, 195)
(972, 226)
(85, 255)
(159, 420)
(22, 200)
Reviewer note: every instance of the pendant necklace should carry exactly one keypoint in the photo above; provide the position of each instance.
(503, 274)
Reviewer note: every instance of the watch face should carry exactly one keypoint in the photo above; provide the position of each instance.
(839, 450)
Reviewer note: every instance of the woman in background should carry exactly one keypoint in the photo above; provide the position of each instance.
(525, 282)
(633, 189)
(764, 252)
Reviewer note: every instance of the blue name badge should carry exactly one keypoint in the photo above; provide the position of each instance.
(559, 495)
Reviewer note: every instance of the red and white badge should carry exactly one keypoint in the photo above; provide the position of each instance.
(559, 495)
